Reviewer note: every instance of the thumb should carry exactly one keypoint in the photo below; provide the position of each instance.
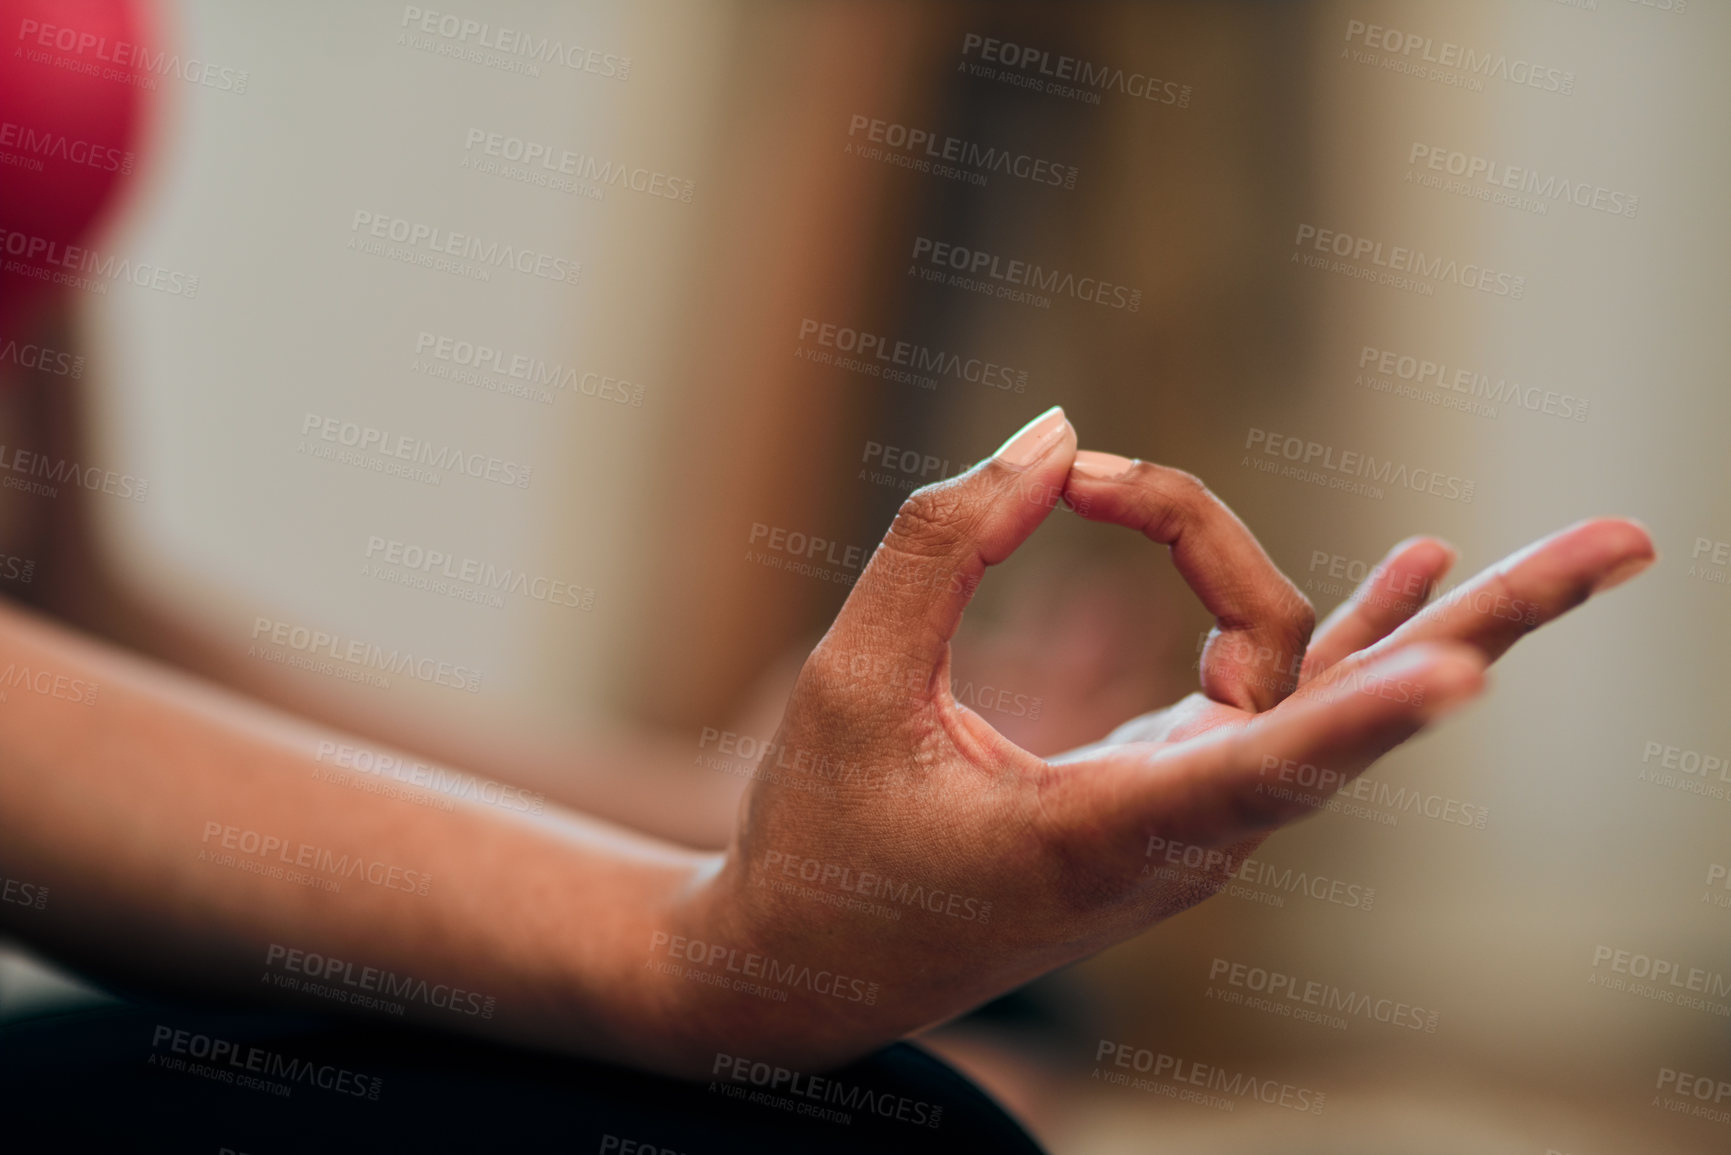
(908, 601)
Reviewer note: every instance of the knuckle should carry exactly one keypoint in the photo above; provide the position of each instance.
(1299, 611)
(1184, 492)
(931, 522)
(1186, 484)
(1169, 499)
(849, 680)
(827, 691)
(826, 667)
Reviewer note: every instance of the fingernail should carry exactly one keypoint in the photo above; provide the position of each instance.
(1448, 696)
(1621, 573)
(1032, 440)
(1102, 466)
(1450, 552)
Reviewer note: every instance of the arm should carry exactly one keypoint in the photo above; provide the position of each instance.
(127, 809)
(632, 776)
(896, 862)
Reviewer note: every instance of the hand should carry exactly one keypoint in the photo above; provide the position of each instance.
(898, 861)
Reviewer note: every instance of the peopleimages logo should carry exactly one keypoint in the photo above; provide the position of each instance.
(363, 655)
(61, 471)
(326, 970)
(1067, 76)
(42, 359)
(426, 244)
(760, 757)
(1503, 180)
(1017, 279)
(1392, 265)
(1320, 786)
(840, 877)
(1178, 1071)
(762, 975)
(20, 893)
(449, 784)
(1444, 60)
(1422, 378)
(473, 39)
(1679, 1087)
(892, 359)
(347, 866)
(541, 162)
(787, 1088)
(925, 150)
(1661, 980)
(85, 269)
(499, 370)
(419, 451)
(1350, 469)
(231, 1062)
(90, 51)
(37, 145)
(467, 578)
(48, 684)
(1189, 862)
(1688, 770)
(1287, 995)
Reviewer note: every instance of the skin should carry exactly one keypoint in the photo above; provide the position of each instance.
(589, 937)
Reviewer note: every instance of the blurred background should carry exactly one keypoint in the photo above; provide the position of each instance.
(685, 275)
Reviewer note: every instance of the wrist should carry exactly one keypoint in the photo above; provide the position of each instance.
(616, 1004)
(728, 971)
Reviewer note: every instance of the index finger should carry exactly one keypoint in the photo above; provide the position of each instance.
(1262, 621)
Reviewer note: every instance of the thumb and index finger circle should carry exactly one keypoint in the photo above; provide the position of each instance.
(1262, 622)
(896, 624)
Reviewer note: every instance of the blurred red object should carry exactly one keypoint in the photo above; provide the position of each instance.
(76, 78)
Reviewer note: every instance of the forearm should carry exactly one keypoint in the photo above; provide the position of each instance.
(189, 839)
(627, 775)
